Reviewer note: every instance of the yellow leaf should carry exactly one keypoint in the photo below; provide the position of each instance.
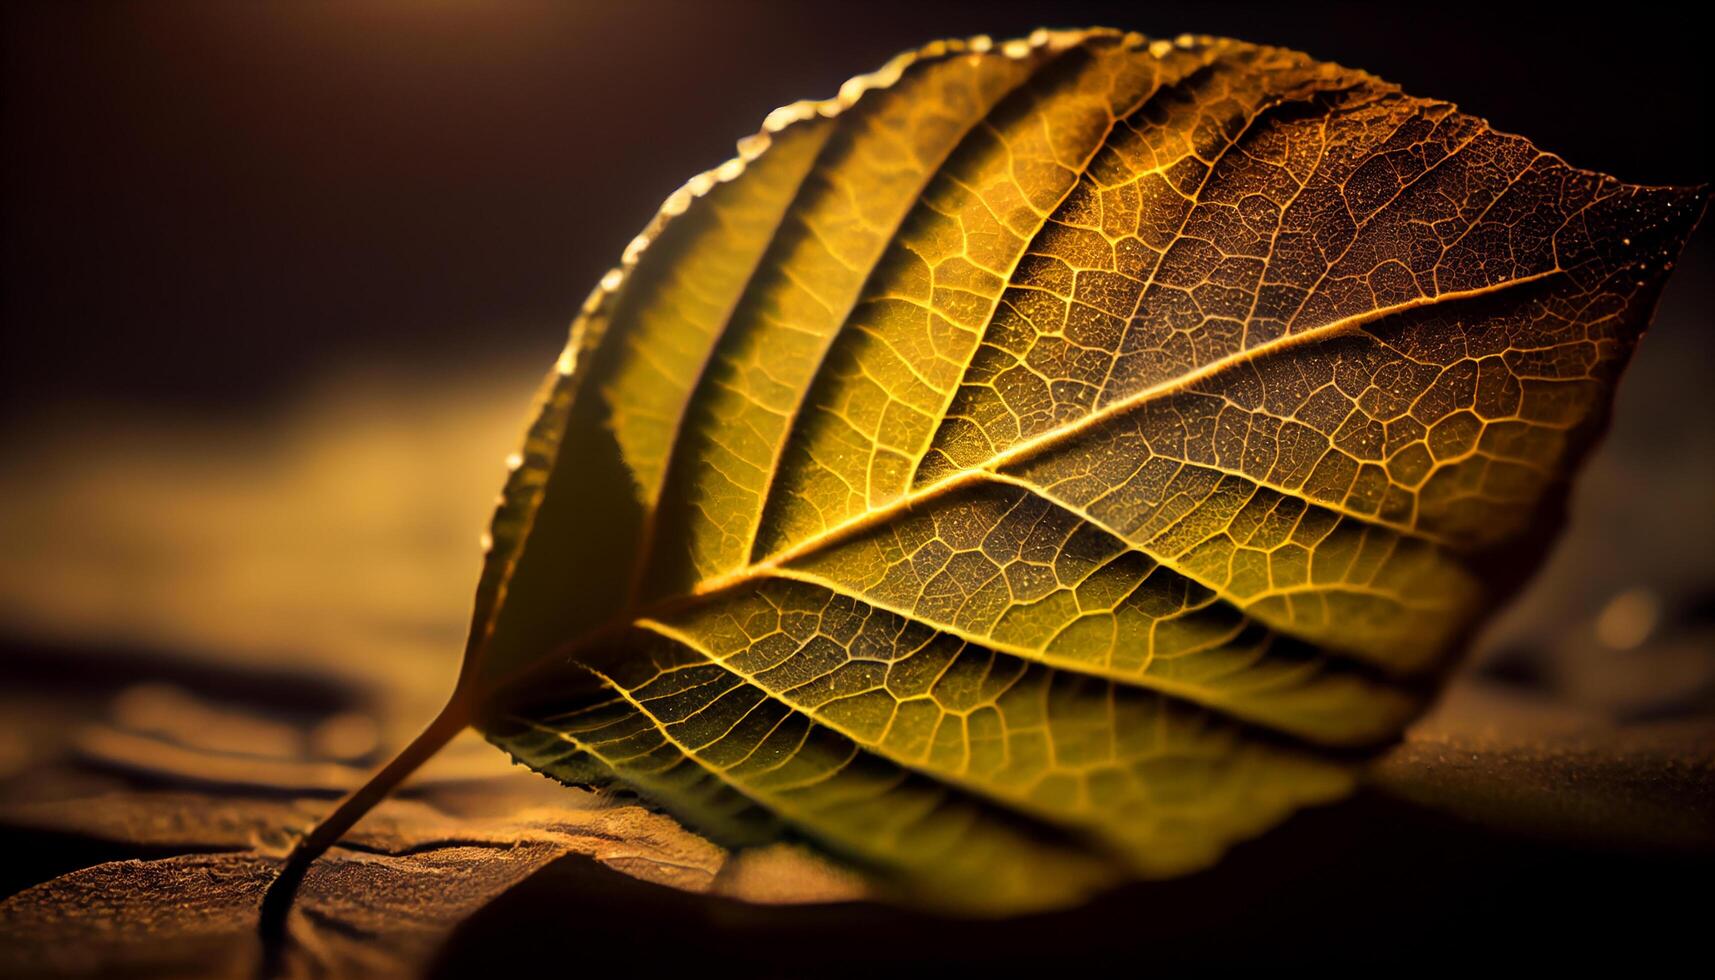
(1048, 463)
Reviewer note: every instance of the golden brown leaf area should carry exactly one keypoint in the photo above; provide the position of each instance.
(1049, 463)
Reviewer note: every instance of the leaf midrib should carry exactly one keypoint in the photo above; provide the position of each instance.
(1026, 448)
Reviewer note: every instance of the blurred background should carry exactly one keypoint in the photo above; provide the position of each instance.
(279, 280)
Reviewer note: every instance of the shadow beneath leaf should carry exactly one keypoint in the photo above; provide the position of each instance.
(1373, 881)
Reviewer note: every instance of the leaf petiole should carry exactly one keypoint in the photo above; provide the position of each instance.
(453, 718)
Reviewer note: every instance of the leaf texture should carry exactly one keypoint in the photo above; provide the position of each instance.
(1050, 462)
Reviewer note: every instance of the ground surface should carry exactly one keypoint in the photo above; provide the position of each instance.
(1507, 822)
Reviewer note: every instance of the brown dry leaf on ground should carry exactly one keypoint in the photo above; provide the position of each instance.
(178, 854)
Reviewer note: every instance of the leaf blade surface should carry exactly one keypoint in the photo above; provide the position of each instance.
(1068, 449)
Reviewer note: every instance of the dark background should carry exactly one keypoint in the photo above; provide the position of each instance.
(206, 203)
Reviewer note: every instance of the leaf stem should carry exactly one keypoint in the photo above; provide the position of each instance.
(277, 901)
